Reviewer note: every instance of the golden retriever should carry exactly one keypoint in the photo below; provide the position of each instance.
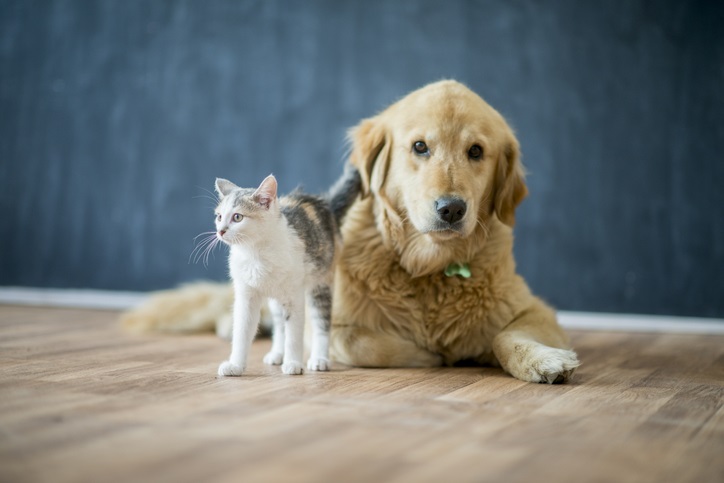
(426, 275)
(442, 176)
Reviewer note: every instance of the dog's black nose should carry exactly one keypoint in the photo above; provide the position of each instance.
(450, 209)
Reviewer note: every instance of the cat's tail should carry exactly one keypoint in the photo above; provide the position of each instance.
(196, 307)
(344, 192)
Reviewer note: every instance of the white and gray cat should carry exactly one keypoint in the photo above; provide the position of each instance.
(283, 251)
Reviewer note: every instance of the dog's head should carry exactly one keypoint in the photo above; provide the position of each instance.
(440, 163)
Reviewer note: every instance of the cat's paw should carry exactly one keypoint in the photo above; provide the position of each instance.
(292, 368)
(318, 364)
(273, 358)
(227, 368)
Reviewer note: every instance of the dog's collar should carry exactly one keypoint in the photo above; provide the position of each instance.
(461, 269)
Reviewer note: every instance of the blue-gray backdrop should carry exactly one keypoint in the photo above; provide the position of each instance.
(116, 116)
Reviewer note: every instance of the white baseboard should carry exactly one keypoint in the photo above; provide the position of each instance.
(113, 300)
(78, 298)
(640, 323)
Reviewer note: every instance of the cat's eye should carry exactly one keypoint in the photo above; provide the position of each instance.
(475, 152)
(237, 217)
(218, 217)
(420, 147)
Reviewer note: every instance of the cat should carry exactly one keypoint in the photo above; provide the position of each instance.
(282, 250)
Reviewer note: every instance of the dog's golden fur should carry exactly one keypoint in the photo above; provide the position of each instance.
(393, 304)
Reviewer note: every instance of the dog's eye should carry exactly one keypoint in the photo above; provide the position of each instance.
(420, 147)
(475, 152)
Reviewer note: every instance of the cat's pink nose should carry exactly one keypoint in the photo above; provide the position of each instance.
(221, 232)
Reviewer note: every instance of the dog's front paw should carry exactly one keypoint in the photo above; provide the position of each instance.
(534, 362)
(227, 368)
(273, 358)
(318, 364)
(292, 368)
(552, 366)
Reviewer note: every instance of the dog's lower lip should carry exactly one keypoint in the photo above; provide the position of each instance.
(448, 233)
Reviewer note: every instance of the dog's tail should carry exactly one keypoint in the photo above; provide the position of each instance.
(196, 307)
(344, 192)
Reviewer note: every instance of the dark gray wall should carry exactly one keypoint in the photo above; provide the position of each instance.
(115, 116)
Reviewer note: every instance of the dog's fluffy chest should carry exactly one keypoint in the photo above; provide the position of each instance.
(453, 314)
(454, 317)
(446, 315)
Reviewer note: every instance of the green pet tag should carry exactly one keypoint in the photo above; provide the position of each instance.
(454, 269)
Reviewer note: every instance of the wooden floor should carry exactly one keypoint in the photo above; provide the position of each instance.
(82, 401)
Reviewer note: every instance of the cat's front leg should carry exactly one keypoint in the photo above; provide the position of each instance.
(276, 355)
(319, 301)
(247, 308)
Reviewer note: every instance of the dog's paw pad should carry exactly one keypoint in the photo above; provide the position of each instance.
(273, 358)
(292, 368)
(556, 378)
(318, 364)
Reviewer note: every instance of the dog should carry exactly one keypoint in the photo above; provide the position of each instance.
(441, 179)
(426, 276)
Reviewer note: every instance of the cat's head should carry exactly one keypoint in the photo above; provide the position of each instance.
(242, 212)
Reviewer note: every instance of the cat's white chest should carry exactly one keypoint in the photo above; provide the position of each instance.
(262, 271)
(248, 268)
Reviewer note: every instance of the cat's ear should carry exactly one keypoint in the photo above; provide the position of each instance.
(224, 187)
(266, 192)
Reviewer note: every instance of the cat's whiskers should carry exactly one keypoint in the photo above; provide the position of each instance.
(205, 197)
(213, 195)
(209, 251)
(203, 249)
(198, 252)
(205, 233)
(210, 196)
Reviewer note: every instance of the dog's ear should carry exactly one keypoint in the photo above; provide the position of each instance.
(370, 149)
(510, 188)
